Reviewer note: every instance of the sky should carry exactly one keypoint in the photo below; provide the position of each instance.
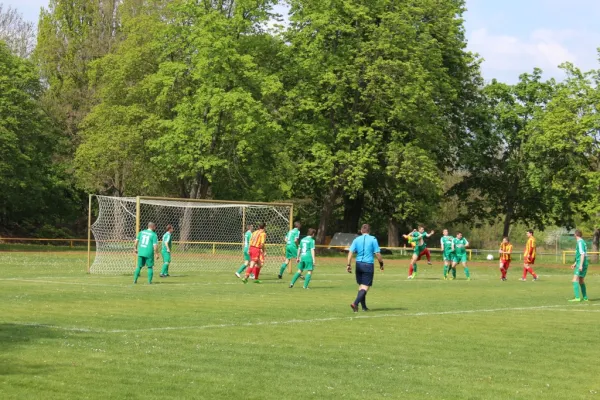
(512, 36)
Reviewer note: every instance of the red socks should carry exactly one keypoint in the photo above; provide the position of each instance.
(410, 270)
(256, 272)
(530, 270)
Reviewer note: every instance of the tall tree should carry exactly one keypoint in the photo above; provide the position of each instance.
(496, 158)
(18, 34)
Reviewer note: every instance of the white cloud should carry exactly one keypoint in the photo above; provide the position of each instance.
(506, 54)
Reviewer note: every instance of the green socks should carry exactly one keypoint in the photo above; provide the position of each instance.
(150, 274)
(467, 272)
(242, 269)
(583, 290)
(282, 269)
(295, 278)
(307, 280)
(445, 271)
(576, 289)
(414, 268)
(454, 272)
(136, 274)
(165, 269)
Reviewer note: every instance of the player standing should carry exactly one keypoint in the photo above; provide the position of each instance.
(305, 258)
(505, 256)
(365, 246)
(580, 267)
(166, 251)
(247, 237)
(291, 247)
(460, 255)
(447, 244)
(418, 237)
(146, 246)
(529, 257)
(257, 253)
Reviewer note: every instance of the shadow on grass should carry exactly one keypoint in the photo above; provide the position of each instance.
(14, 335)
(387, 309)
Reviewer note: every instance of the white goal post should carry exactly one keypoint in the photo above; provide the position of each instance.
(208, 234)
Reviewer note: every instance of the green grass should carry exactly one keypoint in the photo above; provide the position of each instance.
(67, 335)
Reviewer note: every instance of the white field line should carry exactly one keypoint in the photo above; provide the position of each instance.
(297, 321)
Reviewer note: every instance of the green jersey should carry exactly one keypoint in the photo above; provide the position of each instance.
(247, 237)
(417, 238)
(446, 243)
(166, 240)
(147, 239)
(292, 236)
(306, 245)
(581, 250)
(460, 246)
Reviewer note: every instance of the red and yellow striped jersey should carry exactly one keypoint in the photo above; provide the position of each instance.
(530, 248)
(258, 239)
(507, 249)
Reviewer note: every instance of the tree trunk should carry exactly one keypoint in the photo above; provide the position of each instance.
(596, 243)
(393, 233)
(352, 212)
(507, 220)
(326, 213)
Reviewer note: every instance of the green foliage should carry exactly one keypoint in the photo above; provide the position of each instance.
(33, 189)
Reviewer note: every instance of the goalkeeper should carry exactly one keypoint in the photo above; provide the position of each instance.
(146, 246)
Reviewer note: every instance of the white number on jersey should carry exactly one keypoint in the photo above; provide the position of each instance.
(145, 240)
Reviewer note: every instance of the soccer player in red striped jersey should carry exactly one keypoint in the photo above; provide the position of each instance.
(529, 257)
(505, 256)
(257, 253)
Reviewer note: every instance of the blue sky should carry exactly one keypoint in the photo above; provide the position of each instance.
(513, 36)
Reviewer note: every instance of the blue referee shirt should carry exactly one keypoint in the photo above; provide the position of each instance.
(365, 246)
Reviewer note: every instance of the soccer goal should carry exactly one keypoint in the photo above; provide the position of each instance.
(207, 236)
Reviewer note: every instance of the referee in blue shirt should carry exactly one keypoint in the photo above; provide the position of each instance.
(365, 246)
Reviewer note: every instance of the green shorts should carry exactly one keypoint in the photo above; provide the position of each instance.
(291, 252)
(305, 266)
(418, 249)
(145, 262)
(246, 255)
(166, 256)
(459, 258)
(448, 256)
(581, 273)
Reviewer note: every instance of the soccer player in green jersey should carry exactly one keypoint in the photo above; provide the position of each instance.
(291, 247)
(146, 246)
(580, 268)
(166, 251)
(447, 243)
(306, 258)
(460, 254)
(417, 238)
(247, 237)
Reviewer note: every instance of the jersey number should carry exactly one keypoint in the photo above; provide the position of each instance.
(145, 240)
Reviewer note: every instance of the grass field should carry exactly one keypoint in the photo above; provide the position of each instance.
(67, 335)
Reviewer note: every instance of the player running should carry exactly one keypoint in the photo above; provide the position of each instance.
(166, 251)
(247, 237)
(505, 256)
(418, 237)
(257, 253)
(146, 246)
(460, 255)
(447, 244)
(580, 267)
(305, 258)
(529, 257)
(425, 252)
(291, 247)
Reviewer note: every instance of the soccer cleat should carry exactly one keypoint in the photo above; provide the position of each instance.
(257, 281)
(414, 275)
(523, 279)
(251, 276)
(291, 286)
(354, 307)
(366, 309)
(279, 276)
(535, 279)
(585, 299)
(238, 275)
(468, 279)
(410, 277)
(307, 288)
(428, 262)
(245, 280)
(167, 275)
(302, 277)
(445, 278)
(503, 279)
(575, 300)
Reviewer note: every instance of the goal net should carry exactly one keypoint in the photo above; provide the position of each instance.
(207, 236)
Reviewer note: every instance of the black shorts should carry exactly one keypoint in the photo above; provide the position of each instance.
(364, 273)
